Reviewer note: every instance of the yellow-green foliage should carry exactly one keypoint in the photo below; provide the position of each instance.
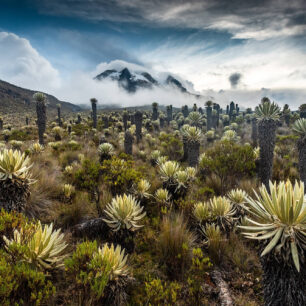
(41, 246)
(124, 212)
(11, 221)
(119, 174)
(228, 161)
(214, 241)
(171, 146)
(88, 270)
(159, 292)
(196, 275)
(22, 284)
(87, 177)
(116, 258)
(14, 164)
(280, 218)
(202, 211)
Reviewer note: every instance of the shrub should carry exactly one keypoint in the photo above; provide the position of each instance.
(87, 177)
(11, 221)
(196, 275)
(89, 272)
(92, 269)
(228, 161)
(159, 292)
(171, 146)
(119, 174)
(21, 284)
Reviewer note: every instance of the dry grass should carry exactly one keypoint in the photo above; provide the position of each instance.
(175, 244)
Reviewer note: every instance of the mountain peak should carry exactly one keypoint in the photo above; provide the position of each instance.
(174, 82)
(132, 80)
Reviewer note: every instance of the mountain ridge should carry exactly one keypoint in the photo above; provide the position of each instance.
(18, 99)
(132, 81)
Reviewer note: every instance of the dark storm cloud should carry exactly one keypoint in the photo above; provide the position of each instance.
(235, 79)
(258, 19)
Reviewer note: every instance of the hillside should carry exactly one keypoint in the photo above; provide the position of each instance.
(14, 99)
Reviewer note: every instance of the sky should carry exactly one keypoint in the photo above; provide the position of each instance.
(226, 50)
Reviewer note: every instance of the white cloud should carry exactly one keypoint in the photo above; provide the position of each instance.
(273, 64)
(277, 66)
(80, 87)
(22, 65)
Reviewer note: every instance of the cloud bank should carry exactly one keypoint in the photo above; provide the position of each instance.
(22, 65)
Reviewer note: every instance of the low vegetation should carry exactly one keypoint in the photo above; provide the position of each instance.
(153, 208)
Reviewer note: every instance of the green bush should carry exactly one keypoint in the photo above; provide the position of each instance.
(87, 177)
(10, 221)
(21, 284)
(89, 273)
(119, 174)
(171, 146)
(159, 292)
(196, 275)
(229, 161)
(80, 129)
(20, 135)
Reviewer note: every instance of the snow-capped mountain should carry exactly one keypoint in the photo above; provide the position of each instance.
(131, 81)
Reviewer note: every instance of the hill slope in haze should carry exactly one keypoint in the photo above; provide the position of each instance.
(14, 99)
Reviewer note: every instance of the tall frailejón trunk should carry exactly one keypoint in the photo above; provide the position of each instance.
(138, 123)
(13, 194)
(185, 148)
(266, 136)
(193, 153)
(282, 283)
(94, 114)
(185, 111)
(105, 122)
(209, 117)
(161, 122)
(169, 114)
(128, 143)
(125, 120)
(301, 144)
(155, 113)
(59, 119)
(41, 120)
(79, 119)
